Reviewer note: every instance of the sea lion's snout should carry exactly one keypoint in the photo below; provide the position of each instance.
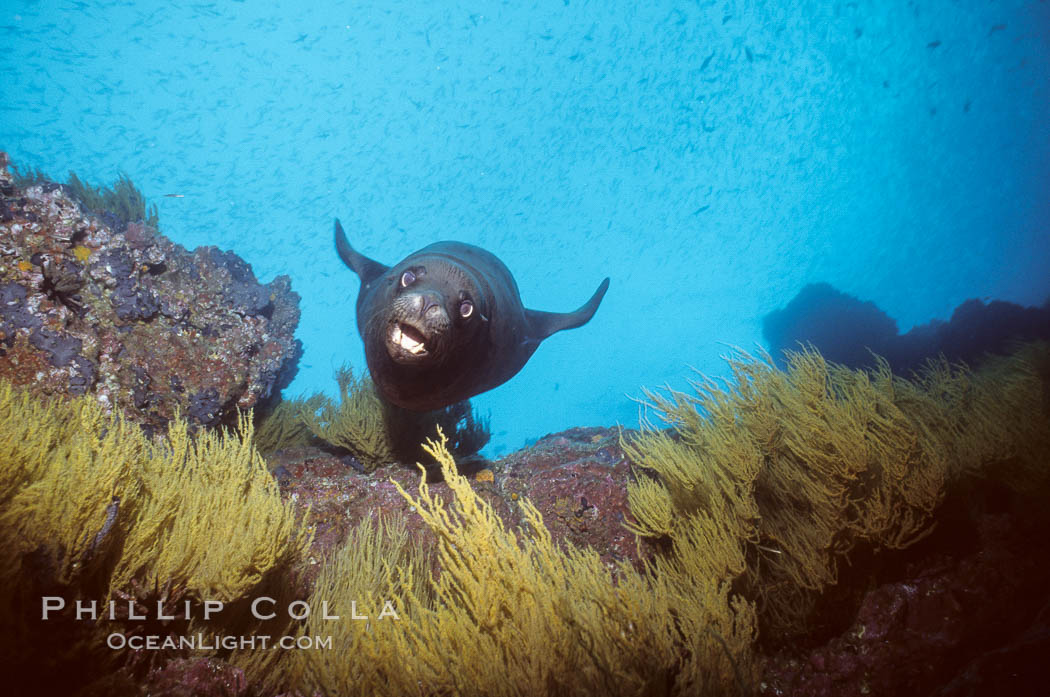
(417, 326)
(427, 303)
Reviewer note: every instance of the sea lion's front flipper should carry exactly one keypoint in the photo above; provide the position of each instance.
(543, 324)
(368, 269)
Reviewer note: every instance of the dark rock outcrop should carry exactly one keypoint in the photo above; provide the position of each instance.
(847, 330)
(967, 623)
(125, 315)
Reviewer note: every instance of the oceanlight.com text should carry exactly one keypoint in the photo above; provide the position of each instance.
(212, 642)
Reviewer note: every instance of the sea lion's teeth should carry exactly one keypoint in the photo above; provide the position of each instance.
(408, 343)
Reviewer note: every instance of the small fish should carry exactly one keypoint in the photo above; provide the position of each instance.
(175, 195)
(707, 61)
(933, 44)
(997, 27)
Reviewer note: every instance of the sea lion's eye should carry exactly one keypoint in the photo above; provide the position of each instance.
(466, 309)
(407, 279)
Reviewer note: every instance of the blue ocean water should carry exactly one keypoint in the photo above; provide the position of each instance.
(712, 158)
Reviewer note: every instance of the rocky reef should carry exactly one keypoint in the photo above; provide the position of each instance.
(956, 617)
(809, 529)
(852, 332)
(537, 546)
(577, 479)
(91, 303)
(964, 612)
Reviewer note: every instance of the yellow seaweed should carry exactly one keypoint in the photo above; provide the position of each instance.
(511, 613)
(765, 485)
(356, 423)
(92, 509)
(377, 564)
(283, 425)
(214, 520)
(791, 469)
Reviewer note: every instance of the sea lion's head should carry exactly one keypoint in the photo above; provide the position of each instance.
(430, 305)
(447, 323)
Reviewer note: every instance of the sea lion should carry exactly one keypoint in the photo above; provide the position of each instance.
(447, 323)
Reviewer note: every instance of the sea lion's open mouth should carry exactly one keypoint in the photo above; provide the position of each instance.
(408, 338)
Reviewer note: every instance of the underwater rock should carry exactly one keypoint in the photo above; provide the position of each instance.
(842, 327)
(1012, 670)
(337, 496)
(243, 294)
(205, 407)
(576, 479)
(61, 349)
(950, 621)
(129, 299)
(199, 677)
(847, 330)
(118, 311)
(13, 312)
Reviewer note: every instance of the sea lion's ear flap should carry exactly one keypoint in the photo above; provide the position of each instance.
(543, 324)
(364, 267)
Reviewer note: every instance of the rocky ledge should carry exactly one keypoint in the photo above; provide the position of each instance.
(577, 479)
(92, 305)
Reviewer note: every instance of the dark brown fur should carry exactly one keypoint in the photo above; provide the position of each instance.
(462, 356)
